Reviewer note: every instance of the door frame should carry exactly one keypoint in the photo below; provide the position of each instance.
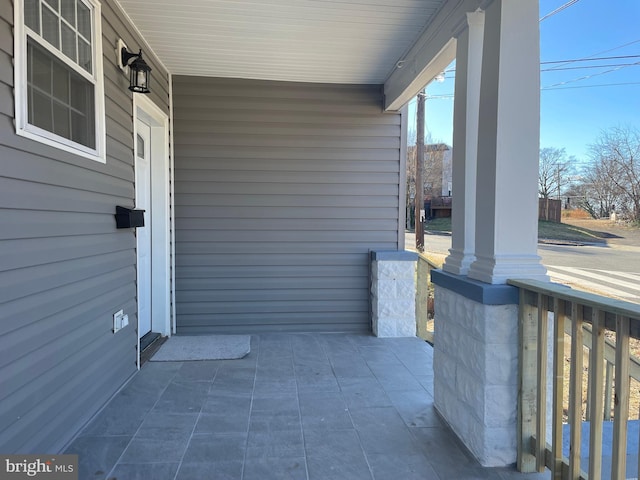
(148, 112)
(142, 182)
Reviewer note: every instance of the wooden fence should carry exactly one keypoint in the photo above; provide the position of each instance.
(550, 210)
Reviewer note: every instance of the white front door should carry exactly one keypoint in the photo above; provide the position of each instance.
(143, 234)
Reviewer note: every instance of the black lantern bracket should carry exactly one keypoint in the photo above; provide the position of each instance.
(134, 66)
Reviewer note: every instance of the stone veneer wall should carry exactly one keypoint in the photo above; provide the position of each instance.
(476, 370)
(393, 293)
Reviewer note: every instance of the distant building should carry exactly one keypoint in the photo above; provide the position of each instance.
(437, 178)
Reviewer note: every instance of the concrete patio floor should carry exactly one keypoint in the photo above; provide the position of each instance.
(298, 407)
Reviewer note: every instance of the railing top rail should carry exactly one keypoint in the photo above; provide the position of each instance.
(612, 305)
(424, 258)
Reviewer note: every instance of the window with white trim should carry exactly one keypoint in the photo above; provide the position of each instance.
(59, 86)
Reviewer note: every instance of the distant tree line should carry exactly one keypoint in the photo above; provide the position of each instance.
(609, 182)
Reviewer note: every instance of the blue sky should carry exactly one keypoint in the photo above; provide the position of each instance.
(574, 113)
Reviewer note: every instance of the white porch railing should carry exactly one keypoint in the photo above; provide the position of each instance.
(586, 317)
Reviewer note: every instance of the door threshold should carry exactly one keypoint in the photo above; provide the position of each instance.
(149, 345)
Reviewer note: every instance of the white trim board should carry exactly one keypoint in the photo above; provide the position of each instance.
(172, 213)
(147, 111)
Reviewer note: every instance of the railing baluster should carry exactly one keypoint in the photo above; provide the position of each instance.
(596, 373)
(528, 346)
(621, 400)
(608, 390)
(575, 392)
(610, 364)
(558, 386)
(587, 410)
(541, 401)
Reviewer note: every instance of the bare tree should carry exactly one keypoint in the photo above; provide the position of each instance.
(600, 193)
(554, 171)
(412, 136)
(433, 168)
(616, 156)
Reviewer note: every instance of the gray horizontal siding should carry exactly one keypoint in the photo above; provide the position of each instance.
(266, 176)
(288, 224)
(64, 268)
(300, 189)
(280, 200)
(303, 213)
(278, 236)
(23, 253)
(248, 273)
(288, 129)
(279, 116)
(281, 191)
(298, 247)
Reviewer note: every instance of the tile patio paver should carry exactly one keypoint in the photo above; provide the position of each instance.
(298, 407)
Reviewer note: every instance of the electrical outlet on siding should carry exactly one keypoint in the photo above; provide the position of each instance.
(120, 320)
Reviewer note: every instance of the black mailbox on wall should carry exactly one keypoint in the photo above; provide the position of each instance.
(129, 218)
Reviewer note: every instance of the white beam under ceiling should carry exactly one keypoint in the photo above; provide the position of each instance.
(430, 54)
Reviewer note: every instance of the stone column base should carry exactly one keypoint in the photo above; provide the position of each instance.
(475, 364)
(393, 293)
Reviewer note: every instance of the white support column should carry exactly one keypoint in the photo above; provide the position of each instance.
(508, 145)
(465, 143)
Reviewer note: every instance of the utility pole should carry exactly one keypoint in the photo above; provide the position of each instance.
(419, 205)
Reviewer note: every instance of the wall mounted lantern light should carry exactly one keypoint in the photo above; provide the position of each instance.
(139, 71)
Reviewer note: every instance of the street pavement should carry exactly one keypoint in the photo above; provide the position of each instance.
(622, 285)
(612, 270)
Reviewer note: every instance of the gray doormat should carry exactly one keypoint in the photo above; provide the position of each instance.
(203, 347)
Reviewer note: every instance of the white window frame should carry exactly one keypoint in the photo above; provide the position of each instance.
(23, 127)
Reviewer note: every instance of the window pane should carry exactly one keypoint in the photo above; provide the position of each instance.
(50, 27)
(82, 130)
(39, 67)
(140, 147)
(60, 100)
(61, 123)
(68, 11)
(41, 111)
(84, 55)
(84, 20)
(61, 82)
(78, 99)
(69, 42)
(54, 4)
(83, 111)
(32, 14)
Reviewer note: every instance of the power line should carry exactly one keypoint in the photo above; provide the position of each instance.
(592, 56)
(591, 86)
(590, 66)
(561, 63)
(587, 77)
(591, 59)
(573, 60)
(445, 96)
(559, 9)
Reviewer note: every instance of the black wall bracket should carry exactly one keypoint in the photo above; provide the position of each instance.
(129, 217)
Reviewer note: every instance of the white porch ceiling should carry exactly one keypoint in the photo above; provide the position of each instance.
(327, 41)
